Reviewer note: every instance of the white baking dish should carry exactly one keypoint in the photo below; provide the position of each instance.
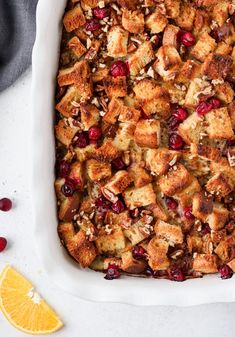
(61, 269)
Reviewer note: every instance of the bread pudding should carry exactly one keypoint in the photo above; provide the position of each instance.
(145, 144)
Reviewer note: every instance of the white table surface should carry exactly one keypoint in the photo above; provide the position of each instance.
(81, 318)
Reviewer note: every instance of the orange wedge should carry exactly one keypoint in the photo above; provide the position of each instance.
(23, 307)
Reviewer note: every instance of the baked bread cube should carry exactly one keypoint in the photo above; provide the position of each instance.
(129, 114)
(115, 86)
(74, 18)
(132, 266)
(231, 264)
(156, 22)
(139, 197)
(133, 21)
(117, 42)
(139, 230)
(97, 170)
(139, 175)
(66, 231)
(64, 133)
(158, 161)
(202, 206)
(204, 46)
(220, 126)
(202, 22)
(69, 207)
(225, 249)
(224, 92)
(206, 151)
(118, 110)
(231, 111)
(110, 242)
(157, 251)
(129, 4)
(191, 129)
(167, 63)
(118, 183)
(85, 153)
(205, 263)
(106, 152)
(188, 71)
(186, 18)
(220, 12)
(76, 46)
(175, 180)
(124, 136)
(170, 36)
(77, 174)
(223, 48)
(185, 197)
(172, 8)
(159, 210)
(141, 57)
(197, 90)
(89, 115)
(148, 133)
(217, 66)
(224, 167)
(69, 102)
(171, 233)
(218, 217)
(219, 184)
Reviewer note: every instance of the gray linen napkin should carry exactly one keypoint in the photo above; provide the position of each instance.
(17, 34)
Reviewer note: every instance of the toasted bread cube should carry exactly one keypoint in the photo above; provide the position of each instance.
(82, 250)
(77, 47)
(129, 114)
(97, 170)
(201, 22)
(66, 105)
(139, 197)
(158, 160)
(170, 36)
(77, 174)
(220, 12)
(204, 46)
(110, 243)
(225, 249)
(156, 22)
(139, 175)
(220, 185)
(65, 133)
(167, 63)
(171, 233)
(133, 22)
(117, 42)
(106, 152)
(85, 153)
(220, 126)
(157, 251)
(130, 265)
(66, 231)
(143, 55)
(88, 4)
(205, 263)
(218, 217)
(115, 86)
(114, 109)
(89, 115)
(172, 8)
(119, 182)
(175, 180)
(99, 74)
(185, 197)
(223, 48)
(186, 18)
(198, 88)
(147, 133)
(206, 151)
(190, 130)
(231, 264)
(124, 136)
(66, 76)
(194, 243)
(202, 206)
(129, 4)
(224, 92)
(69, 207)
(189, 70)
(138, 231)
(231, 111)
(224, 167)
(74, 18)
(217, 66)
(159, 210)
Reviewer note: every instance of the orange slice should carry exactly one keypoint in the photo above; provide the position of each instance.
(23, 307)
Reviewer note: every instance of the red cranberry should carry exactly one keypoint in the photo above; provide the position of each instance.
(139, 253)
(118, 164)
(81, 140)
(112, 272)
(101, 13)
(173, 123)
(68, 187)
(225, 272)
(203, 108)
(118, 207)
(3, 244)
(64, 168)
(205, 229)
(180, 114)
(215, 103)
(92, 25)
(144, 116)
(103, 205)
(171, 203)
(94, 133)
(188, 213)
(176, 274)
(188, 39)
(5, 204)
(214, 35)
(176, 142)
(119, 68)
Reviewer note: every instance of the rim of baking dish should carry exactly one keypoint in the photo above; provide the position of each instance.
(61, 269)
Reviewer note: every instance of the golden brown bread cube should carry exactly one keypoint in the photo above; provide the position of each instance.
(133, 21)
(224, 167)
(157, 251)
(225, 249)
(124, 136)
(74, 18)
(89, 115)
(186, 18)
(106, 152)
(202, 206)
(224, 92)
(167, 63)
(201, 22)
(231, 264)
(217, 66)
(220, 126)
(203, 47)
(77, 174)
(170, 36)
(185, 197)
(117, 42)
(206, 151)
(188, 71)
(158, 161)
(148, 133)
(139, 197)
(110, 242)
(85, 153)
(220, 12)
(119, 182)
(66, 231)
(191, 128)
(115, 86)
(172, 8)
(171, 233)
(220, 184)
(69, 102)
(64, 133)
(159, 210)
(69, 207)
(130, 265)
(97, 170)
(139, 175)
(218, 217)
(198, 89)
(205, 263)
(76, 46)
(223, 48)
(156, 22)
(143, 55)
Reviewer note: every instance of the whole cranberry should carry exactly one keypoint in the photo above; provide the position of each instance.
(103, 204)
(203, 108)
(188, 39)
(112, 272)
(215, 103)
(176, 274)
(3, 244)
(139, 253)
(176, 142)
(118, 163)
(118, 207)
(5, 204)
(81, 140)
(64, 168)
(180, 114)
(205, 229)
(171, 203)
(92, 25)
(119, 68)
(101, 13)
(94, 133)
(225, 272)
(68, 187)
(144, 116)
(188, 213)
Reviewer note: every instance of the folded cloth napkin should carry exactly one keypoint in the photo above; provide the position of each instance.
(17, 34)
